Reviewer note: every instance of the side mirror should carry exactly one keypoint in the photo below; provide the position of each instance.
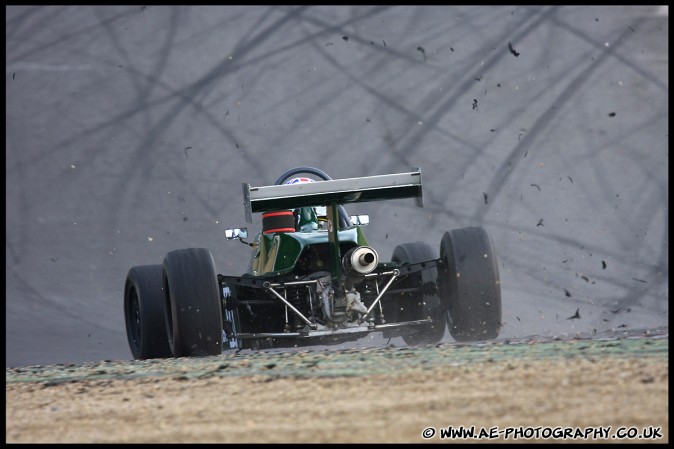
(236, 234)
(360, 220)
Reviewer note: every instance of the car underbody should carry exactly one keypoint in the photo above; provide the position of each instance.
(312, 310)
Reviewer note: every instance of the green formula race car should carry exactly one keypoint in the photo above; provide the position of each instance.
(314, 279)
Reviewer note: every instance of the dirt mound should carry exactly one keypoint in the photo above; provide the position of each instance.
(511, 391)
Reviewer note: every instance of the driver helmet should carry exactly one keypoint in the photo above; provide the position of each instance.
(308, 218)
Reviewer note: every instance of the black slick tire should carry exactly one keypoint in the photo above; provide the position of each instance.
(144, 313)
(469, 285)
(419, 305)
(193, 307)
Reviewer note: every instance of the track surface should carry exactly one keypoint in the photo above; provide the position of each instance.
(130, 129)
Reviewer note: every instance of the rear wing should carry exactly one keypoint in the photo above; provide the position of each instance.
(332, 192)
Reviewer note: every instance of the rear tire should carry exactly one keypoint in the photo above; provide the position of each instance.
(469, 284)
(144, 313)
(193, 307)
(418, 305)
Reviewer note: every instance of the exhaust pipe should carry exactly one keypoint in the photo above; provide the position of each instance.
(360, 260)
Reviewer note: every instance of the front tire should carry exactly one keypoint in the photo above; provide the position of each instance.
(193, 307)
(469, 284)
(144, 313)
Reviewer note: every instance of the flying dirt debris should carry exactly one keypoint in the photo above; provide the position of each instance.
(575, 316)
(512, 50)
(423, 52)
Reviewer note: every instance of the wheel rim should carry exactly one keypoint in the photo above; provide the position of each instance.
(134, 320)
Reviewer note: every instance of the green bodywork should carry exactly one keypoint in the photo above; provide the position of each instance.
(277, 254)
